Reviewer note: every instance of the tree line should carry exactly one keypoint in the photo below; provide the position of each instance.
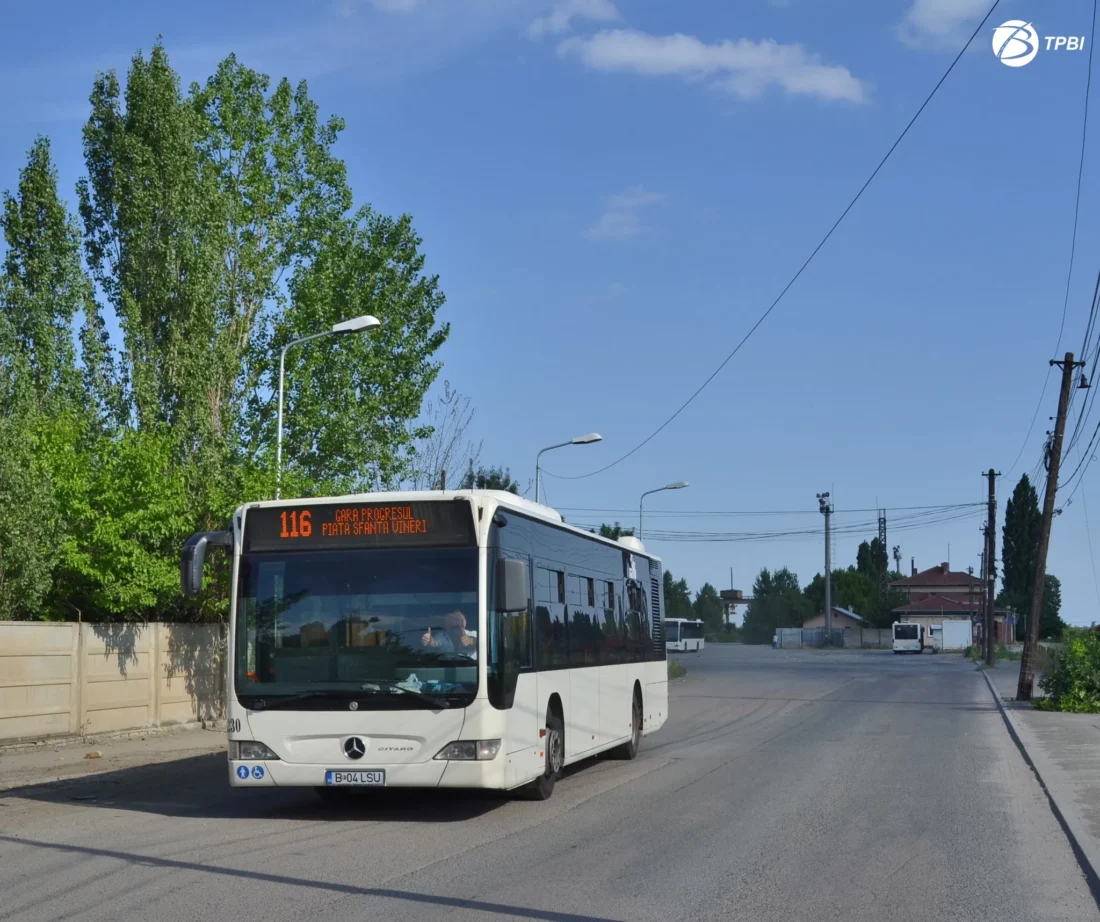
(778, 601)
(140, 336)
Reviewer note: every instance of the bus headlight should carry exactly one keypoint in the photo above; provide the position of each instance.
(250, 751)
(469, 751)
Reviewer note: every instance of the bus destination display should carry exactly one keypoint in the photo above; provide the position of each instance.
(320, 526)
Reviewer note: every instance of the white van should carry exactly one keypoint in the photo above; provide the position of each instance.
(908, 637)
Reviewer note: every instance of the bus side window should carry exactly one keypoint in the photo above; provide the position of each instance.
(550, 628)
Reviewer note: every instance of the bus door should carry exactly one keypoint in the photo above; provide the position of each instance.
(512, 680)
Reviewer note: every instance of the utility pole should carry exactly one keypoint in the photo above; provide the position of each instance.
(884, 574)
(970, 600)
(827, 510)
(981, 601)
(1054, 460)
(991, 571)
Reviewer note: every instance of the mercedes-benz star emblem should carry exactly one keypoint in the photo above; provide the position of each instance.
(354, 748)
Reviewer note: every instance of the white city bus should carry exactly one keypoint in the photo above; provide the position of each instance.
(463, 639)
(683, 635)
(908, 637)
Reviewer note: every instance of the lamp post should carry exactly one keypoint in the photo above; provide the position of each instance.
(579, 440)
(679, 485)
(356, 325)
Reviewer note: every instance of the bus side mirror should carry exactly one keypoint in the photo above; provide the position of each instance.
(193, 558)
(511, 585)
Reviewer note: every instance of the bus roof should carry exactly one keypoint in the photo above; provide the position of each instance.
(685, 620)
(498, 497)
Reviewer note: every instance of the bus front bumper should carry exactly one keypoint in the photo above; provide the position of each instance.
(486, 774)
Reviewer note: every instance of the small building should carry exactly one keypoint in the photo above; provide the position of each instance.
(934, 609)
(843, 619)
(939, 581)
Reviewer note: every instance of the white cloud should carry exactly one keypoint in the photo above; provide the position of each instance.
(744, 68)
(565, 11)
(938, 24)
(623, 217)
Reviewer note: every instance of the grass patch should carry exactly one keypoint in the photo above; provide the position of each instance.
(1004, 653)
(973, 652)
(676, 669)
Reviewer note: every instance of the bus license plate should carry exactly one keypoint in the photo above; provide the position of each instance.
(374, 778)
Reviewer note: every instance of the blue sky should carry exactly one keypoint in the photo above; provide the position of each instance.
(612, 192)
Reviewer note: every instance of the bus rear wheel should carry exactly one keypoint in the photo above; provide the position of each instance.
(543, 786)
(629, 750)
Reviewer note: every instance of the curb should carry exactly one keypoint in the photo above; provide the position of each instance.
(1061, 801)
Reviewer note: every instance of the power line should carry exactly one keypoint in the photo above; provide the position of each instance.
(1073, 242)
(794, 534)
(758, 512)
(851, 529)
(801, 269)
(1090, 399)
(1092, 556)
(1084, 460)
(1080, 172)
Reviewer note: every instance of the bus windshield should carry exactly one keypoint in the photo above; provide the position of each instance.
(672, 631)
(905, 632)
(380, 621)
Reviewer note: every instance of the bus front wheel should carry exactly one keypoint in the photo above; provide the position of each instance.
(543, 786)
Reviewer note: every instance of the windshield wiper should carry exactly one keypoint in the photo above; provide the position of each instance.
(394, 688)
(265, 704)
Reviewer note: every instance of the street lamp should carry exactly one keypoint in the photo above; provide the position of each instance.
(679, 485)
(355, 325)
(579, 440)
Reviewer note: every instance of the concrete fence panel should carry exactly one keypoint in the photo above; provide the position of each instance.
(64, 679)
(39, 687)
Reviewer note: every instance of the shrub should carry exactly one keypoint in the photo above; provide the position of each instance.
(973, 652)
(676, 669)
(1004, 653)
(1074, 682)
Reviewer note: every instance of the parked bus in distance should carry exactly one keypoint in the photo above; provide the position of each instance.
(908, 637)
(463, 639)
(682, 635)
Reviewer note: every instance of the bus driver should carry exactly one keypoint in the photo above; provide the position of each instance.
(454, 638)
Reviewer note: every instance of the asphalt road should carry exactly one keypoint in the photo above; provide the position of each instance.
(787, 785)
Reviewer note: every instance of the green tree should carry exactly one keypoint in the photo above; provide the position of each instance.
(1020, 547)
(1051, 626)
(217, 226)
(852, 589)
(30, 524)
(350, 403)
(42, 288)
(616, 531)
(776, 602)
(677, 598)
(490, 478)
(44, 283)
(872, 559)
(708, 607)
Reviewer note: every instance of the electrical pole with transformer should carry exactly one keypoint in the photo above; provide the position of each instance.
(1054, 460)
